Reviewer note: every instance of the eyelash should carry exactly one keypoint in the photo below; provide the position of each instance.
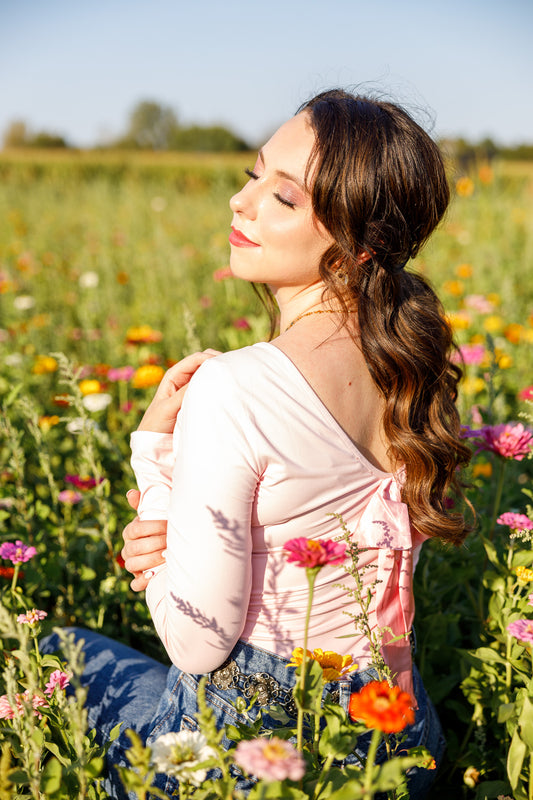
(254, 176)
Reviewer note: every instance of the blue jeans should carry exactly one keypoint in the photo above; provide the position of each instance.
(126, 686)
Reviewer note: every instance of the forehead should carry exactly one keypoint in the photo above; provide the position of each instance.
(290, 147)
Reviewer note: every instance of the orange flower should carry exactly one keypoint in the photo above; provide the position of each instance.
(47, 422)
(513, 332)
(486, 175)
(454, 287)
(381, 706)
(334, 666)
(464, 187)
(143, 334)
(147, 375)
(483, 468)
(123, 278)
(464, 271)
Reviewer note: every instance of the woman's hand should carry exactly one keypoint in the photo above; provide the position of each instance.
(144, 545)
(160, 416)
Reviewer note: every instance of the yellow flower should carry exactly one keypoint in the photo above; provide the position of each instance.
(45, 423)
(454, 287)
(494, 298)
(472, 385)
(524, 574)
(459, 320)
(90, 386)
(464, 187)
(147, 375)
(143, 334)
(464, 271)
(44, 364)
(334, 666)
(483, 468)
(493, 323)
(504, 361)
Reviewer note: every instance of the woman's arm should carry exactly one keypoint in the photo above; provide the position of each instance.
(199, 600)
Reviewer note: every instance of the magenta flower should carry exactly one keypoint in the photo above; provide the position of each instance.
(311, 553)
(58, 680)
(470, 354)
(82, 481)
(507, 440)
(17, 553)
(517, 522)
(522, 629)
(526, 394)
(272, 759)
(32, 617)
(69, 496)
(242, 324)
(120, 374)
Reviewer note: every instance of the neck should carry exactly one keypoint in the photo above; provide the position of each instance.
(295, 302)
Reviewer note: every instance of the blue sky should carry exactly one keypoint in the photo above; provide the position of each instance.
(77, 67)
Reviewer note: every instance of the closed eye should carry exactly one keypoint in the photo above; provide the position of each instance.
(251, 174)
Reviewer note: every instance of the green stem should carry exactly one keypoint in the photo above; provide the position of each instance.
(369, 769)
(497, 497)
(311, 577)
(321, 778)
(15, 577)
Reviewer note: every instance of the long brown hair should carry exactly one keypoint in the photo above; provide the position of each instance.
(379, 187)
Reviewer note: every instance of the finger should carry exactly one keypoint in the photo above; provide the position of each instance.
(144, 562)
(133, 497)
(139, 583)
(182, 372)
(143, 529)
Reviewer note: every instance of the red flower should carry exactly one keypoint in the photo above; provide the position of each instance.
(526, 394)
(378, 705)
(312, 553)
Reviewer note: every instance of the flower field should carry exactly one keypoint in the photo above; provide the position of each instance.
(113, 268)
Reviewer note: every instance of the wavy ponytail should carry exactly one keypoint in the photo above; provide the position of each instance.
(380, 188)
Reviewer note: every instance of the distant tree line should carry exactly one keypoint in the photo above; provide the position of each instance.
(154, 126)
(150, 126)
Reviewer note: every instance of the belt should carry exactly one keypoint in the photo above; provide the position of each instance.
(266, 688)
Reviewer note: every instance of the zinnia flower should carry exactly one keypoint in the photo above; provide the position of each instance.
(507, 440)
(147, 375)
(120, 374)
(58, 680)
(378, 705)
(17, 553)
(32, 617)
(222, 273)
(522, 629)
(44, 365)
(81, 481)
(271, 759)
(526, 394)
(97, 401)
(334, 666)
(8, 712)
(90, 386)
(517, 522)
(470, 354)
(143, 334)
(311, 553)
(177, 754)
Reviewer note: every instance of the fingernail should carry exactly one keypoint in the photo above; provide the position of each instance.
(148, 573)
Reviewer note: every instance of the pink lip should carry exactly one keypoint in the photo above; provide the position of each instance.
(238, 239)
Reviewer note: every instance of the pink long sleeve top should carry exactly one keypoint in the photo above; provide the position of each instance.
(257, 459)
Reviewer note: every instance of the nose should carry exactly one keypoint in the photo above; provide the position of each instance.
(243, 202)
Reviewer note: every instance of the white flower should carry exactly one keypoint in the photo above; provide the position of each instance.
(80, 425)
(175, 754)
(97, 401)
(88, 280)
(24, 302)
(158, 204)
(13, 360)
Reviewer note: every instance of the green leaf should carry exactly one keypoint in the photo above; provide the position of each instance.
(515, 759)
(54, 749)
(525, 723)
(505, 712)
(51, 778)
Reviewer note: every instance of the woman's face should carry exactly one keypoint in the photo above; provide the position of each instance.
(275, 238)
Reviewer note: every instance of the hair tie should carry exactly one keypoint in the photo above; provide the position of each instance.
(395, 269)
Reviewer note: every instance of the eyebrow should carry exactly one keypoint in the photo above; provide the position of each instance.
(283, 174)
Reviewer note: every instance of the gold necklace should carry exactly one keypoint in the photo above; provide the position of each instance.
(309, 314)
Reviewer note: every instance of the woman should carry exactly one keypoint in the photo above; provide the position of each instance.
(350, 410)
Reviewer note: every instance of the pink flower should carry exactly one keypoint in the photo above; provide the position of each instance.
(32, 617)
(470, 354)
(530, 599)
(120, 374)
(59, 680)
(526, 394)
(479, 303)
(241, 324)
(522, 629)
(222, 273)
(507, 440)
(311, 553)
(17, 553)
(8, 712)
(272, 759)
(69, 497)
(517, 522)
(82, 481)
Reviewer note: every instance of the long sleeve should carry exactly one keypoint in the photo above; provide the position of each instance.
(152, 461)
(200, 600)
